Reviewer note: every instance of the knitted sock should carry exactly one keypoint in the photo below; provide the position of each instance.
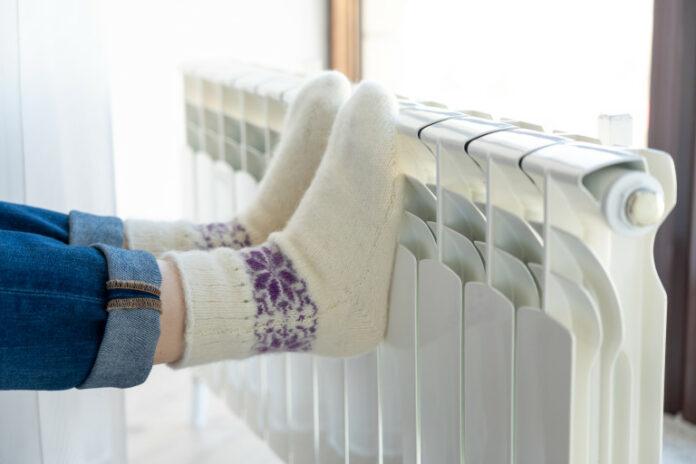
(303, 142)
(322, 283)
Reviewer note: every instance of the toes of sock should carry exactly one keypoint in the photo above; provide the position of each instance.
(365, 128)
(371, 111)
(371, 101)
(328, 89)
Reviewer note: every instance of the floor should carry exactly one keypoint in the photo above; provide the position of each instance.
(159, 429)
(679, 442)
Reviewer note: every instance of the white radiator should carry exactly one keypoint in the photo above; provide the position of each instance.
(527, 321)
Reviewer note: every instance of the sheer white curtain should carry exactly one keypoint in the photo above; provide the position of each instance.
(55, 152)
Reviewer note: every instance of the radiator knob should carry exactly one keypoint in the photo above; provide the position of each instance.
(644, 207)
(633, 203)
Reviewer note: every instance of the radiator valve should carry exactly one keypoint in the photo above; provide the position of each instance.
(633, 203)
(644, 207)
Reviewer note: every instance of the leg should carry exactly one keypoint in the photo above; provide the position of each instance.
(75, 229)
(33, 251)
(21, 218)
(52, 300)
(75, 316)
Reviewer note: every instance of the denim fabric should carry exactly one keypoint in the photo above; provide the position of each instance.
(55, 331)
(52, 300)
(86, 229)
(133, 328)
(20, 218)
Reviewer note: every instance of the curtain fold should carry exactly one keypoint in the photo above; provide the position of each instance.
(55, 152)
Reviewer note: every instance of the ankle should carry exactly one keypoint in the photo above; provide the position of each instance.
(170, 345)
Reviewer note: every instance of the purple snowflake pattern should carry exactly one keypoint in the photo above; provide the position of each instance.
(286, 315)
(223, 234)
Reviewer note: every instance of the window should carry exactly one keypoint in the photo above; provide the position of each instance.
(556, 63)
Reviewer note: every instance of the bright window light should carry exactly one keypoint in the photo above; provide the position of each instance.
(558, 63)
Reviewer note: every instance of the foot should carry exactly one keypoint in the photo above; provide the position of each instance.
(302, 145)
(321, 284)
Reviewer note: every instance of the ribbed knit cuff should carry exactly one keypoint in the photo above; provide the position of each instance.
(220, 308)
(159, 237)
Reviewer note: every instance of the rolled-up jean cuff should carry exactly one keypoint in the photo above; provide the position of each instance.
(87, 229)
(132, 330)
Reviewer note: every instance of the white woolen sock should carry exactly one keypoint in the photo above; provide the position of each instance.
(322, 283)
(303, 142)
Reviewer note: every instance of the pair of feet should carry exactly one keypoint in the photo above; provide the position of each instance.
(307, 266)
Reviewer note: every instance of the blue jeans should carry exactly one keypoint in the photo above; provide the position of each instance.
(76, 310)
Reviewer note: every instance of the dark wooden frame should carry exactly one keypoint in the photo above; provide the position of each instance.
(345, 37)
(673, 129)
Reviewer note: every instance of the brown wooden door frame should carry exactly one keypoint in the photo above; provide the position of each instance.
(345, 37)
(673, 129)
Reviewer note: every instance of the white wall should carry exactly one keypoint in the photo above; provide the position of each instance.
(559, 63)
(148, 40)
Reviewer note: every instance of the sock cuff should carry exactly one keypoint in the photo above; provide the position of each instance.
(159, 237)
(220, 308)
